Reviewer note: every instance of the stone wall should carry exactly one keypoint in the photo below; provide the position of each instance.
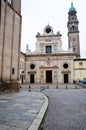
(10, 38)
(9, 87)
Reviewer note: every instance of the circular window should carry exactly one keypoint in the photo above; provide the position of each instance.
(48, 30)
(32, 66)
(65, 65)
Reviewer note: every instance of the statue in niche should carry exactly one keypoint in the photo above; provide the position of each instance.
(42, 74)
(48, 61)
(55, 75)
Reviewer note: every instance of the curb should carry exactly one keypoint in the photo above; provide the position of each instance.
(36, 123)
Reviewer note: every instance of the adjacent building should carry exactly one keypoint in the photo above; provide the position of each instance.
(10, 38)
(80, 69)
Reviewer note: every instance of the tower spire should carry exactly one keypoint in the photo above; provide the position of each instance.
(72, 7)
(27, 49)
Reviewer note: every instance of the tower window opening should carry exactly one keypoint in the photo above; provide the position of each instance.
(10, 1)
(73, 28)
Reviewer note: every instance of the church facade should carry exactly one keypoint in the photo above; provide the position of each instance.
(49, 63)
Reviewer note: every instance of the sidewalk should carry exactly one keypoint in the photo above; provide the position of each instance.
(22, 111)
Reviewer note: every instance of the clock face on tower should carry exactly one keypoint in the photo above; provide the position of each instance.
(48, 30)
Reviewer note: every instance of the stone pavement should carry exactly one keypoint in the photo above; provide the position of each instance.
(67, 109)
(22, 111)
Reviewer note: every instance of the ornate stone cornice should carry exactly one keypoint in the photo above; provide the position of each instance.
(32, 72)
(49, 67)
(66, 71)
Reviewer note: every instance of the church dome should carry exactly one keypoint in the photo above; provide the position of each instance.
(72, 8)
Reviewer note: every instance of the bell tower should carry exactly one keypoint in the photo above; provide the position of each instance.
(73, 31)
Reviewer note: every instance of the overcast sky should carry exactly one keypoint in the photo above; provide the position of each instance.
(36, 14)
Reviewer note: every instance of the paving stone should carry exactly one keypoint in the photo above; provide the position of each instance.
(20, 123)
(3, 127)
(33, 111)
(30, 114)
(14, 128)
(27, 118)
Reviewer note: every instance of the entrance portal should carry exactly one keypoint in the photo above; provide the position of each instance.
(48, 76)
(65, 78)
(32, 78)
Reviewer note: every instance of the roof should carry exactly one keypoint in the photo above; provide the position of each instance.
(80, 59)
(72, 8)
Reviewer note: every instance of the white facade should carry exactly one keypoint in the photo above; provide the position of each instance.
(49, 63)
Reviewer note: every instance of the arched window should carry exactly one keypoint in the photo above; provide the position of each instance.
(73, 28)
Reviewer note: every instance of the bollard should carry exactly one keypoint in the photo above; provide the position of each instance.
(66, 87)
(56, 86)
(48, 86)
(75, 86)
(29, 88)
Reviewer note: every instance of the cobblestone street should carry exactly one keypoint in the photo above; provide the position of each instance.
(67, 109)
